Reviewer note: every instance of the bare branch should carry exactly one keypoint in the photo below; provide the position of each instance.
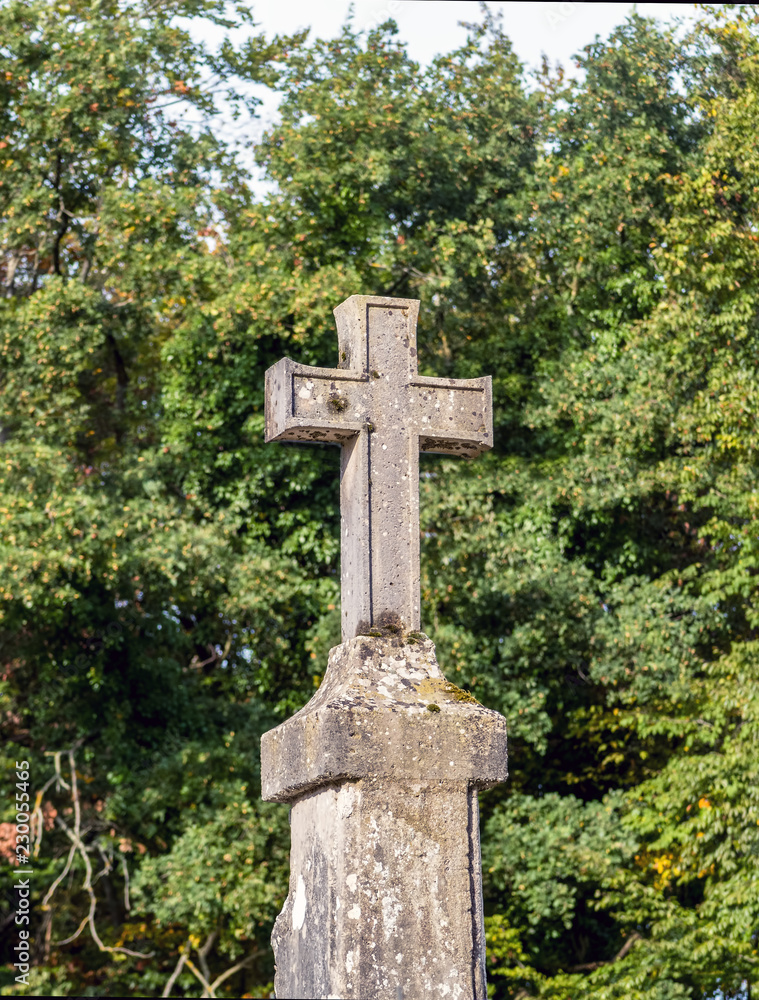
(203, 953)
(627, 946)
(75, 799)
(175, 974)
(59, 779)
(107, 866)
(78, 846)
(76, 933)
(591, 966)
(197, 664)
(202, 975)
(50, 892)
(207, 989)
(125, 868)
(235, 968)
(87, 886)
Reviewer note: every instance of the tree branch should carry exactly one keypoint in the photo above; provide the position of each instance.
(50, 892)
(207, 988)
(10, 272)
(75, 836)
(196, 663)
(591, 966)
(63, 223)
(125, 867)
(235, 968)
(75, 935)
(203, 953)
(175, 974)
(122, 376)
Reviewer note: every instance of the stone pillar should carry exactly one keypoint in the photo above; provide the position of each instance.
(382, 768)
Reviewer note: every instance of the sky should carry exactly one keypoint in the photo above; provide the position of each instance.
(432, 26)
(429, 27)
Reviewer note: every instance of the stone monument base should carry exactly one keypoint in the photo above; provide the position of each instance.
(382, 768)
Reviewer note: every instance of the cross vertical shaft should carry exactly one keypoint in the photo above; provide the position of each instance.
(379, 472)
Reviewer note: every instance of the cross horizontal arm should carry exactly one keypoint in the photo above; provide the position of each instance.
(313, 404)
(453, 416)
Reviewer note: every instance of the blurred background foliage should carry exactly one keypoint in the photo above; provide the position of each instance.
(170, 586)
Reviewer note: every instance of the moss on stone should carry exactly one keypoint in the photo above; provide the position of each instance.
(414, 637)
(458, 694)
(390, 626)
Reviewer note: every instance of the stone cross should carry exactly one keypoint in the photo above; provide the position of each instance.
(382, 413)
(383, 765)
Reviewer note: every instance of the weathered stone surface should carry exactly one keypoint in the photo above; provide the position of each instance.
(383, 767)
(382, 413)
(384, 710)
(385, 898)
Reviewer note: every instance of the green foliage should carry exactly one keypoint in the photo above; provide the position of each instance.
(170, 585)
(229, 869)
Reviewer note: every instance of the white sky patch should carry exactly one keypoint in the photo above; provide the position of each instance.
(557, 30)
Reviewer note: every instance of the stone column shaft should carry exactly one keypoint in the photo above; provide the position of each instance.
(382, 769)
(385, 899)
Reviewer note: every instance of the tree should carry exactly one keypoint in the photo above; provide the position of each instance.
(591, 243)
(647, 430)
(111, 596)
